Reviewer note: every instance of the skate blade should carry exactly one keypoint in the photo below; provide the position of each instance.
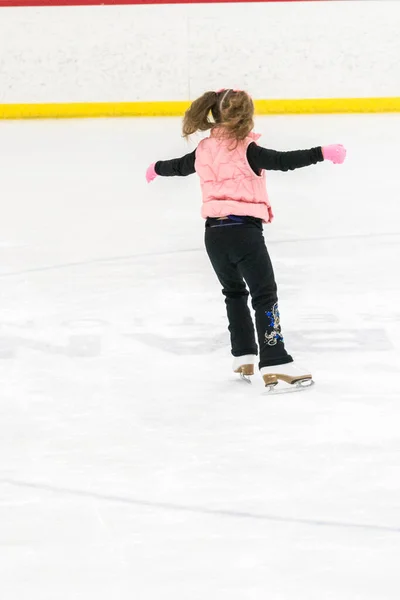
(300, 386)
(245, 378)
(245, 371)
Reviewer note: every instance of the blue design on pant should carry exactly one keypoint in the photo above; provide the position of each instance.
(274, 336)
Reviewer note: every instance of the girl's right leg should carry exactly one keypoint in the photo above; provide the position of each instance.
(275, 363)
(255, 266)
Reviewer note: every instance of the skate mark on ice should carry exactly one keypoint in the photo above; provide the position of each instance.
(138, 256)
(97, 261)
(196, 509)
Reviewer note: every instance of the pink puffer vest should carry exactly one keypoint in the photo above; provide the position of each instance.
(229, 185)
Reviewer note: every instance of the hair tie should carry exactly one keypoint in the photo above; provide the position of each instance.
(223, 98)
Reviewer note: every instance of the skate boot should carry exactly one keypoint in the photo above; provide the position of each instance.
(290, 374)
(244, 365)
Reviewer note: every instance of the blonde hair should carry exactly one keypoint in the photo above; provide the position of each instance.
(232, 112)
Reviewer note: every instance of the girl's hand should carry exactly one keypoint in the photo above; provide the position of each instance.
(151, 173)
(336, 153)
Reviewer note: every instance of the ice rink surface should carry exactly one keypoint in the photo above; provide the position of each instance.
(133, 464)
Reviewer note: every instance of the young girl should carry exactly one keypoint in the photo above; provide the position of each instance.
(231, 167)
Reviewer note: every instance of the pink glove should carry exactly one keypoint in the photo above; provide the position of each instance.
(335, 153)
(151, 173)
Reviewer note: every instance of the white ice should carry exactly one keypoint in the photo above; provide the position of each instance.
(133, 464)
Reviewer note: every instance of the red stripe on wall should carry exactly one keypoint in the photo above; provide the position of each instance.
(6, 3)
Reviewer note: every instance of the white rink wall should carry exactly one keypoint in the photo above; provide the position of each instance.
(175, 52)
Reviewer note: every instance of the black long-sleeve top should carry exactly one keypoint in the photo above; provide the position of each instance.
(259, 158)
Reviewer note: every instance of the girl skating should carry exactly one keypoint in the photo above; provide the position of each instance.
(231, 167)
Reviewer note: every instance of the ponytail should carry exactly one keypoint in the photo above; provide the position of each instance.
(196, 117)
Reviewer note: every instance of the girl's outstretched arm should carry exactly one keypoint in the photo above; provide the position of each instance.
(272, 160)
(180, 167)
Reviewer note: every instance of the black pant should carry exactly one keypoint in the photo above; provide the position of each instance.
(238, 254)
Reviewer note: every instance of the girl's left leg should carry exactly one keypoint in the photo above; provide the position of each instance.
(234, 289)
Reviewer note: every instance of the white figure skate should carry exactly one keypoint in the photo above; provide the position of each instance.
(281, 379)
(244, 365)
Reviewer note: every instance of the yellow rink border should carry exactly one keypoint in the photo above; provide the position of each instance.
(175, 109)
